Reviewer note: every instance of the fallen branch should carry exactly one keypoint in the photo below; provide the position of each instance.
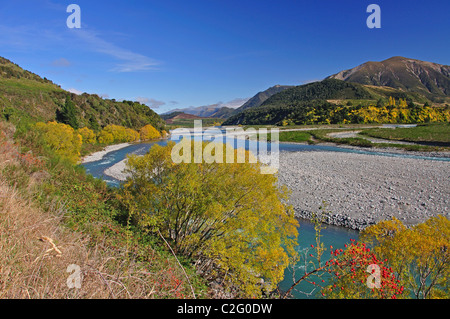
(48, 239)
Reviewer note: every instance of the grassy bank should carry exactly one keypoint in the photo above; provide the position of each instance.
(431, 134)
(433, 137)
(54, 215)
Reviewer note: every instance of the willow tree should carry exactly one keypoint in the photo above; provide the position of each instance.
(420, 255)
(148, 132)
(228, 216)
(61, 138)
(88, 135)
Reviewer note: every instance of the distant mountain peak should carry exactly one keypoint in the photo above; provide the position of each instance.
(401, 73)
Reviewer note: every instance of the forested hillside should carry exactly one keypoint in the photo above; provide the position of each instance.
(334, 101)
(25, 94)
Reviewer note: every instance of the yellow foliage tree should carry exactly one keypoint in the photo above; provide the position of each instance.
(420, 255)
(226, 216)
(88, 135)
(402, 103)
(117, 134)
(132, 135)
(105, 137)
(148, 132)
(62, 138)
(391, 101)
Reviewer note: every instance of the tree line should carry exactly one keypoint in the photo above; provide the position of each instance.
(67, 141)
(324, 112)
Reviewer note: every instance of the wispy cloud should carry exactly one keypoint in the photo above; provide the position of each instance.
(151, 103)
(62, 62)
(235, 103)
(75, 91)
(128, 61)
(310, 81)
(28, 37)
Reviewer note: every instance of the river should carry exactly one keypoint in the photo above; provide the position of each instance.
(331, 235)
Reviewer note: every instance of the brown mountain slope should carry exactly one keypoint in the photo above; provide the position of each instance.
(430, 79)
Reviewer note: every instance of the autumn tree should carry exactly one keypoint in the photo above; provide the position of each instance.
(148, 132)
(346, 273)
(132, 135)
(230, 219)
(358, 273)
(88, 135)
(105, 137)
(420, 255)
(391, 101)
(390, 261)
(403, 103)
(117, 134)
(62, 138)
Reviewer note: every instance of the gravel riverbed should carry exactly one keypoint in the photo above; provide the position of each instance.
(361, 190)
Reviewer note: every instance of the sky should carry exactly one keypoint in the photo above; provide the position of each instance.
(177, 53)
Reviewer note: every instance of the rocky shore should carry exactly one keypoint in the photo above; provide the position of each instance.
(99, 155)
(117, 171)
(361, 190)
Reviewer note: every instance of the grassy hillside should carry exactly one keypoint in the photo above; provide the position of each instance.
(223, 113)
(324, 90)
(180, 119)
(24, 94)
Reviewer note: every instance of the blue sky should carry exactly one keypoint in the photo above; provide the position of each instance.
(174, 54)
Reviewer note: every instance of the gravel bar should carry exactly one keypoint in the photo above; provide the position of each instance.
(361, 190)
(97, 156)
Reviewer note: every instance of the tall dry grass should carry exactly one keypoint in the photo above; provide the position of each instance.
(36, 250)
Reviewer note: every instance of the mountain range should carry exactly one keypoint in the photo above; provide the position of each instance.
(373, 83)
(224, 111)
(25, 94)
(218, 110)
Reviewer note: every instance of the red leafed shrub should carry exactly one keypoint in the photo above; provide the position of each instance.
(356, 272)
